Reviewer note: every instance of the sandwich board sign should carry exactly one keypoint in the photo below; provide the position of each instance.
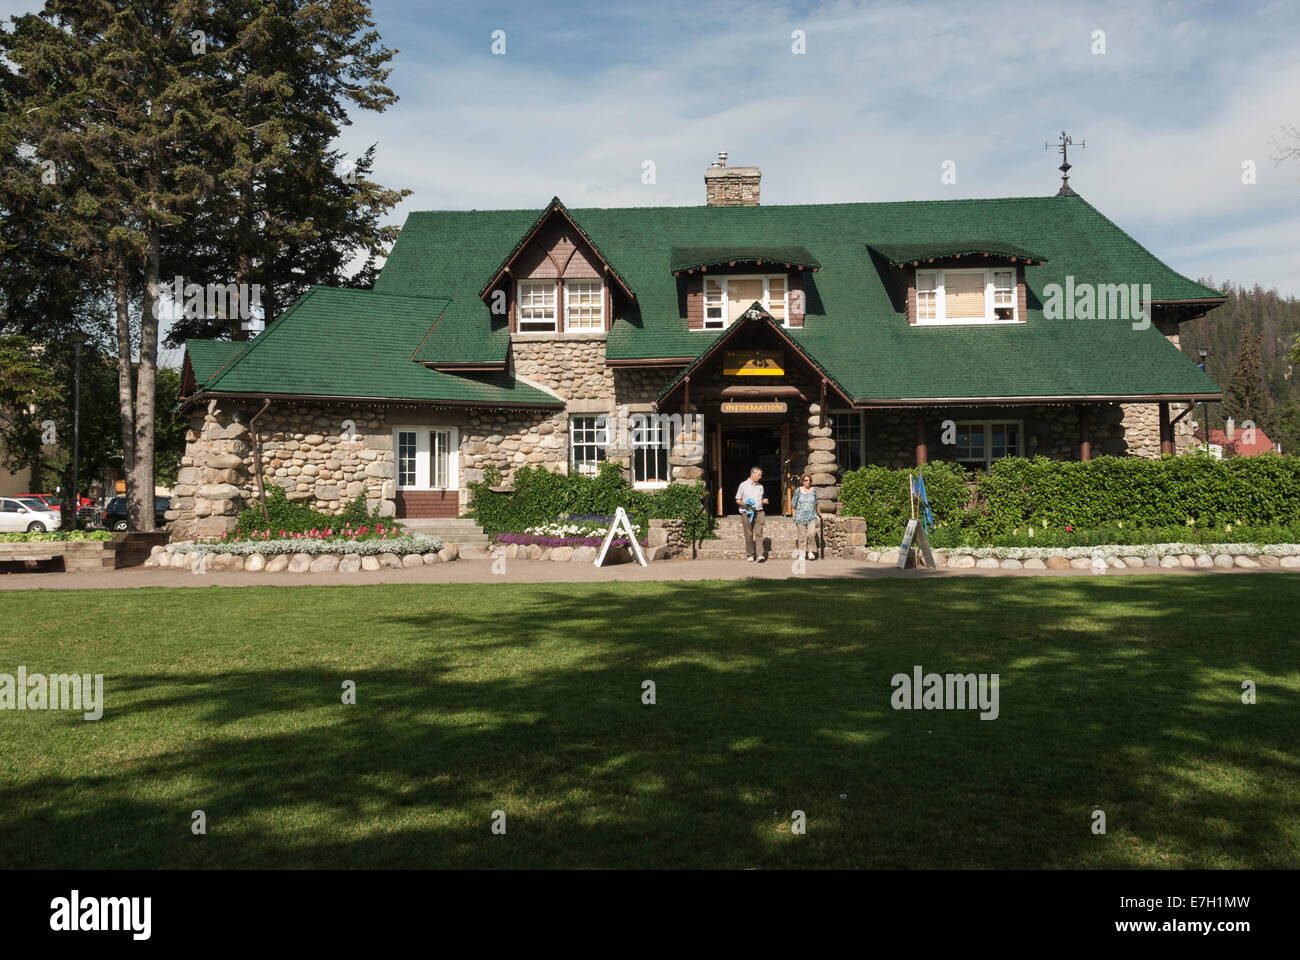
(621, 522)
(914, 539)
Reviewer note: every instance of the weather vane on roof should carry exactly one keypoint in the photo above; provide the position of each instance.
(1063, 145)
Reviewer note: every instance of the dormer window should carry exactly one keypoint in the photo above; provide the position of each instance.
(537, 306)
(954, 296)
(584, 305)
(727, 297)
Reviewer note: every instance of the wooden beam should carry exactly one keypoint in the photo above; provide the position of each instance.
(922, 456)
(1166, 430)
(746, 392)
(686, 397)
(821, 422)
(1085, 445)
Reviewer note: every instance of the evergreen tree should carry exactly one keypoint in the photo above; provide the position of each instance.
(1245, 397)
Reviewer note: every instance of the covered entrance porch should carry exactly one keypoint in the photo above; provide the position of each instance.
(761, 398)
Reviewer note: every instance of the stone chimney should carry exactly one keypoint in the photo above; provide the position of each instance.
(726, 186)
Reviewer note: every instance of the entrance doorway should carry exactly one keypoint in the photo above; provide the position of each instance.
(745, 447)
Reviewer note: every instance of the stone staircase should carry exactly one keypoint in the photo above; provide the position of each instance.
(778, 536)
(462, 532)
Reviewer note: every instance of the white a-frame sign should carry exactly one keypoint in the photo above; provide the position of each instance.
(621, 522)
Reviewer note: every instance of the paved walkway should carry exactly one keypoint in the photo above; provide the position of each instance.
(477, 567)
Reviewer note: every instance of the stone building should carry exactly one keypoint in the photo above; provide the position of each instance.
(689, 343)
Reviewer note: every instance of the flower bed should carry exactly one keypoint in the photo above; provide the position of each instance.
(586, 530)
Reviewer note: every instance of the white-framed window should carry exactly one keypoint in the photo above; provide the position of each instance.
(584, 305)
(587, 441)
(926, 295)
(536, 305)
(727, 297)
(426, 458)
(982, 442)
(650, 448)
(953, 296)
(846, 431)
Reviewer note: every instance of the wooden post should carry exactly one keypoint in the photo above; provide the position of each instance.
(921, 458)
(1085, 447)
(1166, 431)
(822, 421)
(686, 398)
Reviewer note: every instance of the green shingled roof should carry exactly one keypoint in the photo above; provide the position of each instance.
(358, 344)
(207, 357)
(856, 323)
(899, 253)
(692, 258)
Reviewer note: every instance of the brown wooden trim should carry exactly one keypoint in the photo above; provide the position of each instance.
(721, 343)
(553, 210)
(461, 367)
(794, 282)
(649, 363)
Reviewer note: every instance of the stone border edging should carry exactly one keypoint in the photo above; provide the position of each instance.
(1114, 556)
(171, 558)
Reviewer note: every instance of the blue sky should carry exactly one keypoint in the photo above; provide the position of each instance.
(886, 92)
(1183, 95)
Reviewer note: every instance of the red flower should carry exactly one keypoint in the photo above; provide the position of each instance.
(1069, 529)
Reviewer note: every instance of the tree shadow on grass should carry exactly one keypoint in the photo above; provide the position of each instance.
(773, 696)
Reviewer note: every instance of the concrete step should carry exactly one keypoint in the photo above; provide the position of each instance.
(458, 530)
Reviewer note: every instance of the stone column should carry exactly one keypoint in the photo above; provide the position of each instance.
(686, 456)
(821, 461)
(213, 484)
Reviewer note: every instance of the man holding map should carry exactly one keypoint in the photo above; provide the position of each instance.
(750, 499)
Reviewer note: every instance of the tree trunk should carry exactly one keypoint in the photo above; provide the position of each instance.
(141, 478)
(124, 394)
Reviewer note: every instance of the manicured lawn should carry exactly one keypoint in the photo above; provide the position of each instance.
(1119, 694)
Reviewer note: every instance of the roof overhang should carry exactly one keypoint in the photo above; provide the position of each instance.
(690, 259)
(1056, 399)
(916, 254)
(378, 401)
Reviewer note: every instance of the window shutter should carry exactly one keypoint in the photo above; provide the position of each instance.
(964, 295)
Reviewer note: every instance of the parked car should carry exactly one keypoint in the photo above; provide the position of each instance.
(115, 513)
(19, 517)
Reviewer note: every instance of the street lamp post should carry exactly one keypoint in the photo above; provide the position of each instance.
(1205, 404)
(78, 339)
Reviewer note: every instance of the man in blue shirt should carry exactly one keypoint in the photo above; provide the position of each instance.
(750, 500)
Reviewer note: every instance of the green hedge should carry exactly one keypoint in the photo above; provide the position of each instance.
(56, 536)
(1107, 496)
(540, 496)
(881, 497)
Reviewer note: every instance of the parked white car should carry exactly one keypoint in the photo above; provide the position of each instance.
(17, 516)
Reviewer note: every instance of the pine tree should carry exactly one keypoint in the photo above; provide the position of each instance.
(1245, 397)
